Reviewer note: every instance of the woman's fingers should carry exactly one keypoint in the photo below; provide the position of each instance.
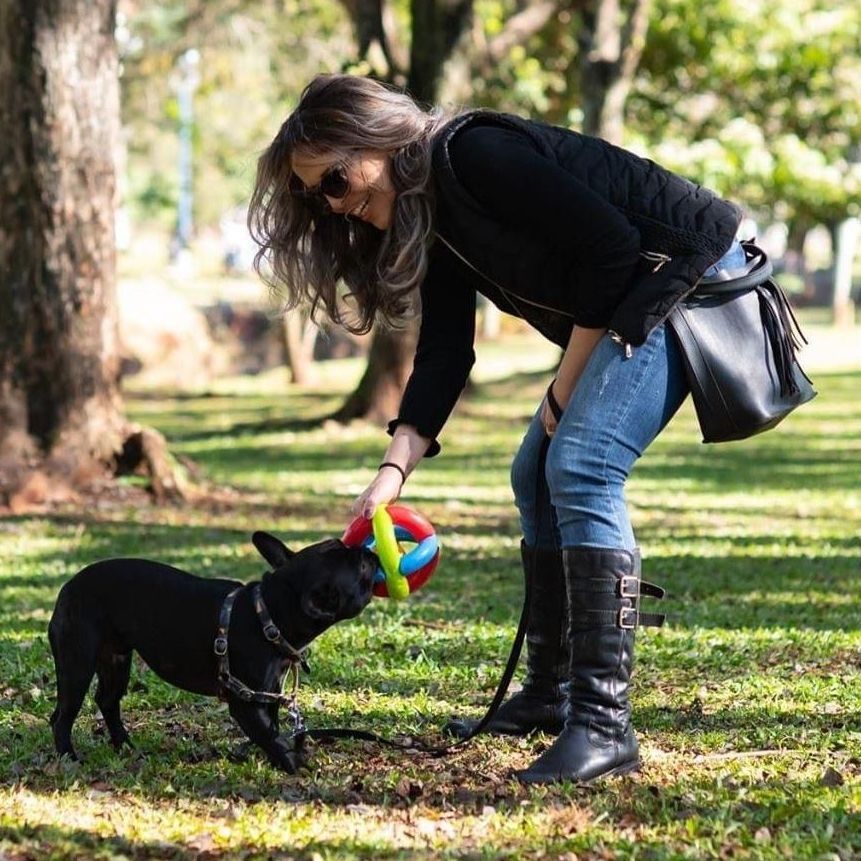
(384, 488)
(547, 419)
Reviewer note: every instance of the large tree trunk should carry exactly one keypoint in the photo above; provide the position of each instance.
(299, 333)
(60, 407)
(378, 394)
(611, 43)
(437, 28)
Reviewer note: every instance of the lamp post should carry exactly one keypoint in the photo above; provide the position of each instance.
(187, 82)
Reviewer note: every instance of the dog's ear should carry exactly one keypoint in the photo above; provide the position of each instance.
(273, 550)
(321, 603)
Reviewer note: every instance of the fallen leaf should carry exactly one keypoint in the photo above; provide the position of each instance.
(202, 843)
(762, 835)
(831, 778)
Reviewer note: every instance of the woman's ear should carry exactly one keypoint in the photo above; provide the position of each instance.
(272, 549)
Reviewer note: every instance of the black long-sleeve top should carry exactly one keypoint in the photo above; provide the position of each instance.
(518, 186)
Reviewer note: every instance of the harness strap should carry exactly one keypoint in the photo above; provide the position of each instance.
(235, 686)
(219, 646)
(229, 682)
(271, 632)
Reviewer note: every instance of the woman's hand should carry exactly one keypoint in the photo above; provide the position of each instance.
(406, 449)
(574, 359)
(548, 418)
(385, 488)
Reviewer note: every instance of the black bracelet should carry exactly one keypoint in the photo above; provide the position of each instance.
(394, 466)
(553, 403)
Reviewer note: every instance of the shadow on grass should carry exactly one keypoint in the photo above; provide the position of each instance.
(829, 824)
(49, 841)
(792, 590)
(758, 721)
(346, 773)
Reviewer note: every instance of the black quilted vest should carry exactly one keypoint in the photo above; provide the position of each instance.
(676, 219)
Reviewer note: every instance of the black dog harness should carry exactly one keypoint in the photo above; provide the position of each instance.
(296, 657)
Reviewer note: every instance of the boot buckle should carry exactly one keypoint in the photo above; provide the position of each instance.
(627, 619)
(629, 587)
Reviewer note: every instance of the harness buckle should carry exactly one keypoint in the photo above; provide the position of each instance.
(220, 646)
(629, 587)
(271, 633)
(628, 617)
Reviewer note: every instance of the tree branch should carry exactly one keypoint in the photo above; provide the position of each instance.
(520, 27)
(634, 36)
(370, 23)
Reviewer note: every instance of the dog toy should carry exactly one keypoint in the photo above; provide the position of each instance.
(401, 572)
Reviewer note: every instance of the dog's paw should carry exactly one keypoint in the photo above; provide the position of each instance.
(285, 756)
(241, 752)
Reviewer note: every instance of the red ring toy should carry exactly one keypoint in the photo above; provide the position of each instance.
(418, 527)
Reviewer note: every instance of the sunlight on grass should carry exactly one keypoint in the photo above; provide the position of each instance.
(747, 703)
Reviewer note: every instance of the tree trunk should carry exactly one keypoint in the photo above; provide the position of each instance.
(845, 243)
(611, 43)
(794, 259)
(299, 332)
(60, 406)
(378, 394)
(437, 28)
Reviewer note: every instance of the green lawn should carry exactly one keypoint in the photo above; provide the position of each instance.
(748, 704)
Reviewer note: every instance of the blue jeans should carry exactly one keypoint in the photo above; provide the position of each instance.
(618, 407)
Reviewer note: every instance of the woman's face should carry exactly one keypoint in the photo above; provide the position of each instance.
(370, 194)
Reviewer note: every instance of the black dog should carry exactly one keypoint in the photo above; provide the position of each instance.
(171, 618)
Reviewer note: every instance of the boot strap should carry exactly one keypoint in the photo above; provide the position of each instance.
(623, 587)
(626, 618)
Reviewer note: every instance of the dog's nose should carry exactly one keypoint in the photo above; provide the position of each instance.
(368, 567)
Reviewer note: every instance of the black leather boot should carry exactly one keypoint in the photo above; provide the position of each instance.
(598, 740)
(540, 704)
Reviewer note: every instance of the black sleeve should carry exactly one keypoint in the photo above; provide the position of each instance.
(504, 171)
(444, 355)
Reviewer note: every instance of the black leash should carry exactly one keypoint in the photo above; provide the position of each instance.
(420, 746)
(297, 658)
(501, 689)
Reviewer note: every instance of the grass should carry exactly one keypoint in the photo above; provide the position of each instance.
(747, 704)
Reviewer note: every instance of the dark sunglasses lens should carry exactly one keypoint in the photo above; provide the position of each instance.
(296, 185)
(335, 183)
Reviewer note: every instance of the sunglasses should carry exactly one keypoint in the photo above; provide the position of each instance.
(334, 183)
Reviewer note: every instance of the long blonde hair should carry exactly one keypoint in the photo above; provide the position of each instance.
(303, 254)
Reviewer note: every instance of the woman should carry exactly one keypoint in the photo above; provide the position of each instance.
(591, 245)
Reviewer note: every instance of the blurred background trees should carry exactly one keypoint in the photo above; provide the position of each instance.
(758, 99)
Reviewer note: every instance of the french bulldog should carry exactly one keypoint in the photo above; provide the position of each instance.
(171, 618)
